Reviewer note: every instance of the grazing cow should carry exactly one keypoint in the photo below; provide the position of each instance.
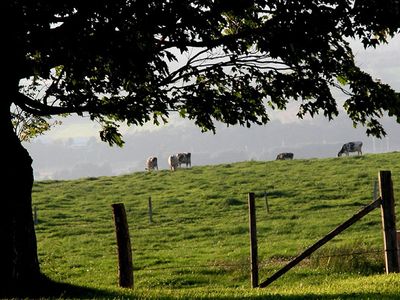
(284, 156)
(173, 162)
(351, 147)
(151, 163)
(184, 158)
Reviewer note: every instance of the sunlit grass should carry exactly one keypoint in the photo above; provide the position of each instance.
(197, 244)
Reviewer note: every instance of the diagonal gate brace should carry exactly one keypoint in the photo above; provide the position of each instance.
(367, 209)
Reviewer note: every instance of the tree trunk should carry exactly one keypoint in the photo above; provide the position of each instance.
(19, 265)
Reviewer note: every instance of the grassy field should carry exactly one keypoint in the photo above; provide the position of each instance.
(197, 246)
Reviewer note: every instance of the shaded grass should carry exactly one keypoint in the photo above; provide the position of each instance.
(344, 287)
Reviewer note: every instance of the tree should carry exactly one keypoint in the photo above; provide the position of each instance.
(27, 126)
(137, 61)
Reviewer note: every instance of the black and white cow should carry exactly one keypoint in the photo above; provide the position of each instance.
(173, 162)
(184, 158)
(284, 156)
(351, 147)
(151, 163)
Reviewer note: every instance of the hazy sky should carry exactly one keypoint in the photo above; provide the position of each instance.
(73, 149)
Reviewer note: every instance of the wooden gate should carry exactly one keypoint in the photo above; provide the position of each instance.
(386, 202)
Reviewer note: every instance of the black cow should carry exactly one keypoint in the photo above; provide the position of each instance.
(184, 158)
(284, 156)
(351, 147)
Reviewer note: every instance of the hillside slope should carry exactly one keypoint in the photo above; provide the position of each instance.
(198, 236)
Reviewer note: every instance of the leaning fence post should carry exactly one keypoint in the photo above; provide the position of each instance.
(388, 222)
(253, 241)
(266, 201)
(125, 265)
(150, 211)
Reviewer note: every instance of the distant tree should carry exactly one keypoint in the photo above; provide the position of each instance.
(137, 61)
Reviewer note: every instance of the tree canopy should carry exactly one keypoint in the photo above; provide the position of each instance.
(231, 61)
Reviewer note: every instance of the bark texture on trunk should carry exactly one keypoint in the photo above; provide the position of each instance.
(19, 266)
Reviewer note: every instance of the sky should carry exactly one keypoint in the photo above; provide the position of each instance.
(73, 150)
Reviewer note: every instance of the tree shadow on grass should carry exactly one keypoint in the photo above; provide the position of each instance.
(49, 289)
(45, 288)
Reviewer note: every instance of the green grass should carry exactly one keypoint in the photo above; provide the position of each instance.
(198, 244)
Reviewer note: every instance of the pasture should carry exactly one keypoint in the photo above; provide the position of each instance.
(197, 245)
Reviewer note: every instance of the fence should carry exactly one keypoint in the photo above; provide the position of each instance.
(391, 251)
(386, 192)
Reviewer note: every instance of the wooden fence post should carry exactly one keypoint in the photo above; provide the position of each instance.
(388, 222)
(253, 241)
(266, 201)
(150, 211)
(35, 215)
(125, 265)
(398, 245)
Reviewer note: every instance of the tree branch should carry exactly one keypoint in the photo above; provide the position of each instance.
(40, 109)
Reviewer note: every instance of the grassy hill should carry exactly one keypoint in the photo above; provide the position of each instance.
(197, 245)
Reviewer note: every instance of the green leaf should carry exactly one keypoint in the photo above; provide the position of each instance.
(342, 80)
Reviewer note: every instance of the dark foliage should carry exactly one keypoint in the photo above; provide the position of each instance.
(231, 61)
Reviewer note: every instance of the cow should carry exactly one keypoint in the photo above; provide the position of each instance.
(184, 158)
(284, 156)
(173, 162)
(151, 163)
(351, 147)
